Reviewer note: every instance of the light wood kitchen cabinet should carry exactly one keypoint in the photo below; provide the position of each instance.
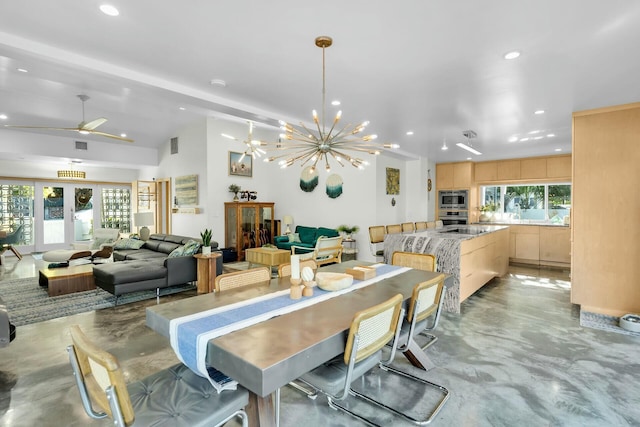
(528, 246)
(540, 245)
(559, 167)
(605, 206)
(555, 245)
(486, 171)
(462, 175)
(533, 168)
(509, 169)
(454, 175)
(444, 175)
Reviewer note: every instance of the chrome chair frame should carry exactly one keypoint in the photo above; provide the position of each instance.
(353, 351)
(416, 313)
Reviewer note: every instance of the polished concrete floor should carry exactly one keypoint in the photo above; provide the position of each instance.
(515, 356)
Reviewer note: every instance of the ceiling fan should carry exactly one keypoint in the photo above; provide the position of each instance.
(85, 128)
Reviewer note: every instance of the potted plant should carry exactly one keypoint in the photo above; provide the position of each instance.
(206, 241)
(487, 211)
(347, 230)
(235, 189)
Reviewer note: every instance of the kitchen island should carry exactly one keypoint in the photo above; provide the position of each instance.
(472, 254)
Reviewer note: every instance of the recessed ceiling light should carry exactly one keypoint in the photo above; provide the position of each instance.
(558, 149)
(218, 82)
(524, 139)
(468, 158)
(3, 117)
(538, 137)
(513, 139)
(538, 112)
(512, 55)
(444, 145)
(22, 70)
(410, 132)
(107, 9)
(182, 108)
(533, 132)
(551, 135)
(335, 102)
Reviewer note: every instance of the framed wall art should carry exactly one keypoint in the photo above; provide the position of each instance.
(393, 181)
(186, 190)
(240, 165)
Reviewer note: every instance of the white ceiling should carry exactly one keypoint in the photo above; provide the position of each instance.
(433, 67)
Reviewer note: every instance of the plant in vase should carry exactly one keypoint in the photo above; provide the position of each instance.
(206, 241)
(347, 230)
(235, 189)
(487, 211)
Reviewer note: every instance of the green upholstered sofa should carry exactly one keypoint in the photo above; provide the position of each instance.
(307, 235)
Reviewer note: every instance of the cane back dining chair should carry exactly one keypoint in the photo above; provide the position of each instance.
(175, 396)
(426, 262)
(421, 225)
(370, 330)
(284, 270)
(418, 261)
(238, 279)
(394, 229)
(426, 301)
(407, 227)
(376, 236)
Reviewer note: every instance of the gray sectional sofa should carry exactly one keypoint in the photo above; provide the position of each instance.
(150, 266)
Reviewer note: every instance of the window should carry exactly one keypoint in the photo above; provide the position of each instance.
(116, 209)
(16, 208)
(528, 201)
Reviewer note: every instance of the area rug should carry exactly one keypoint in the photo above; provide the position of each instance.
(28, 302)
(603, 322)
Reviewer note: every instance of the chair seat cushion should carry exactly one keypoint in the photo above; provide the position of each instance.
(62, 255)
(330, 376)
(178, 397)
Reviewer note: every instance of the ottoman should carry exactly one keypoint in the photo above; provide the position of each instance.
(130, 276)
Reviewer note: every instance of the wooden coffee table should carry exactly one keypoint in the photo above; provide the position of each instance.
(65, 280)
(264, 256)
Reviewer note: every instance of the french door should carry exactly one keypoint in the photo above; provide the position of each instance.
(65, 213)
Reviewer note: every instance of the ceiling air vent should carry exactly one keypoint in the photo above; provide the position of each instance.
(81, 145)
(174, 145)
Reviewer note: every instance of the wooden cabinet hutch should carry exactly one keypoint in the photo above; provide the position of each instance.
(248, 225)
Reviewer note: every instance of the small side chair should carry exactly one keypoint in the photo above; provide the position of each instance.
(394, 229)
(175, 396)
(407, 227)
(376, 236)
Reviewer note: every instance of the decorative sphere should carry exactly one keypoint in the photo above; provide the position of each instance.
(307, 274)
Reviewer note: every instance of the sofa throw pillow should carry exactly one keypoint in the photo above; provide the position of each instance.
(179, 251)
(191, 247)
(128, 244)
(294, 238)
(98, 242)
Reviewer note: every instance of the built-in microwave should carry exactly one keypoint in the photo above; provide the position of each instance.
(455, 199)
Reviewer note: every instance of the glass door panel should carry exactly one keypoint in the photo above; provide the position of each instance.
(83, 214)
(53, 218)
(248, 215)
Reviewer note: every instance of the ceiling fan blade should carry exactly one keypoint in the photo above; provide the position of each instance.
(108, 135)
(92, 124)
(41, 127)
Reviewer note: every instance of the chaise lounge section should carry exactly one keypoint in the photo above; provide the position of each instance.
(304, 237)
(153, 264)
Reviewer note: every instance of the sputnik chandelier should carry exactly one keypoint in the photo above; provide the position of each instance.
(252, 146)
(305, 146)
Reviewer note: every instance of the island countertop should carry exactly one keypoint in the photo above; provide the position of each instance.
(472, 254)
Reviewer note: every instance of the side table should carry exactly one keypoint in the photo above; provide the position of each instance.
(350, 250)
(206, 271)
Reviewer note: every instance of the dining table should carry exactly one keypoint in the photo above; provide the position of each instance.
(267, 355)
